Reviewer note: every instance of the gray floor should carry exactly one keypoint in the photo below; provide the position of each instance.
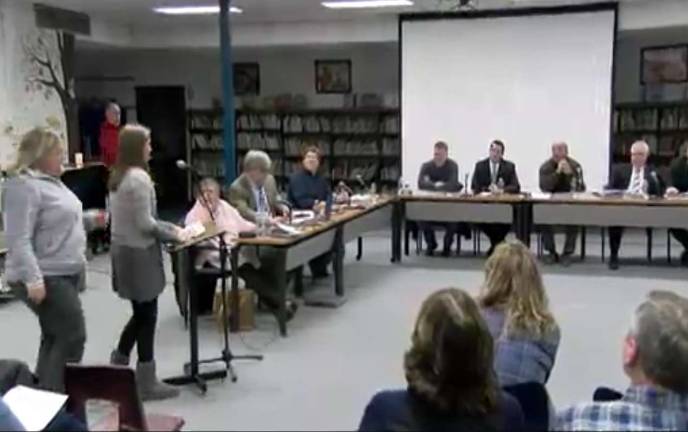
(322, 376)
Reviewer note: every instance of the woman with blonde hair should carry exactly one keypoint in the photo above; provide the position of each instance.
(451, 384)
(137, 265)
(46, 241)
(514, 304)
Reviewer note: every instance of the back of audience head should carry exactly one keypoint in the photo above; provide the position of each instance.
(656, 348)
(514, 284)
(449, 364)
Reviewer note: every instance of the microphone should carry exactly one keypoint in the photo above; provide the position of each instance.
(359, 179)
(185, 166)
(579, 177)
(653, 174)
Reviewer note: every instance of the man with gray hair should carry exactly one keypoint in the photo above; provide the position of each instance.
(655, 359)
(638, 178)
(255, 192)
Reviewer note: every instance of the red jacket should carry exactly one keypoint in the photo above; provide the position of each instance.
(109, 143)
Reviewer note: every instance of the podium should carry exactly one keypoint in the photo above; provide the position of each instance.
(185, 265)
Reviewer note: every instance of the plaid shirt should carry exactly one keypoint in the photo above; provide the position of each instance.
(520, 359)
(641, 408)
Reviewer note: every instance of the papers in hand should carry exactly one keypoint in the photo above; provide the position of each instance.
(193, 230)
(34, 408)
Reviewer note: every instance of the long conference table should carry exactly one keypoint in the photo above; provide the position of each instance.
(523, 212)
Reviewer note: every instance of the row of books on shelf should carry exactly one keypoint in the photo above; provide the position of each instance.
(294, 146)
(258, 122)
(628, 120)
(666, 146)
(258, 141)
(346, 170)
(344, 124)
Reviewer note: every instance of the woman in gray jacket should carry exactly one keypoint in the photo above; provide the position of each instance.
(46, 240)
(137, 266)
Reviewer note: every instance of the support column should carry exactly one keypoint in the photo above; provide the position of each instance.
(228, 121)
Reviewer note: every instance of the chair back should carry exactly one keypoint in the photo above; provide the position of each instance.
(534, 402)
(111, 383)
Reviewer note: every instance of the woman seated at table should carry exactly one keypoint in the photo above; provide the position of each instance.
(308, 190)
(451, 384)
(514, 304)
(226, 218)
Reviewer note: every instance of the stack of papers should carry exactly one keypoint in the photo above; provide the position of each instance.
(35, 409)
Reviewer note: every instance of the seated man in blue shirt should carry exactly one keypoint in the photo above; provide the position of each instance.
(441, 174)
(308, 190)
(655, 355)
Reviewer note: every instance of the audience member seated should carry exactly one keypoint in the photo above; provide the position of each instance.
(514, 304)
(16, 373)
(8, 422)
(225, 217)
(451, 385)
(441, 174)
(655, 355)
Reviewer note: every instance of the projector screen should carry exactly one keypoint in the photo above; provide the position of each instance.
(527, 80)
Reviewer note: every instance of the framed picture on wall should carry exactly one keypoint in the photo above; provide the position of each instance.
(246, 79)
(333, 76)
(664, 64)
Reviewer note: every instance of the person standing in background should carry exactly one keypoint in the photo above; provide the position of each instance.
(441, 174)
(495, 175)
(308, 190)
(46, 241)
(109, 134)
(559, 174)
(679, 185)
(137, 264)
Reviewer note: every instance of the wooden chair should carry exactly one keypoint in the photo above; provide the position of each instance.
(114, 384)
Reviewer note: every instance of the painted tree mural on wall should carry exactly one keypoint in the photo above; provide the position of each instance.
(49, 56)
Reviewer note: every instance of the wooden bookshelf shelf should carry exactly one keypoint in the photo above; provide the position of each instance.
(663, 125)
(283, 134)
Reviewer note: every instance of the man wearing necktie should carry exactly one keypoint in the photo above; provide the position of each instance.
(679, 185)
(254, 193)
(495, 175)
(637, 179)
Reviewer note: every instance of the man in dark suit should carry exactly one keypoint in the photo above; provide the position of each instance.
(560, 174)
(441, 174)
(495, 175)
(636, 179)
(679, 185)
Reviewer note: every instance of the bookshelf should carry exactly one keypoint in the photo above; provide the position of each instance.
(664, 126)
(353, 142)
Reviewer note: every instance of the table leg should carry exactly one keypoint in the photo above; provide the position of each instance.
(397, 222)
(338, 264)
(281, 281)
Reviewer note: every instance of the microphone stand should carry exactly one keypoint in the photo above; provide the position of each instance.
(227, 356)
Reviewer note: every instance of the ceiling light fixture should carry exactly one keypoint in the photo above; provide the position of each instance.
(361, 4)
(194, 10)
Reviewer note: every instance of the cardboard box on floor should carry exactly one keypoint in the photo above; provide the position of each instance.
(247, 302)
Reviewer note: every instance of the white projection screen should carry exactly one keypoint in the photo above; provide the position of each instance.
(528, 80)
